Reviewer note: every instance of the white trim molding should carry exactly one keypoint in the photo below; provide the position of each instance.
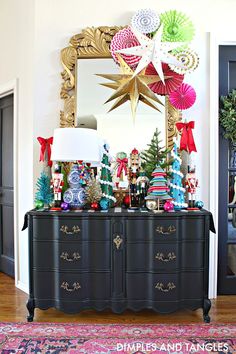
(216, 39)
(11, 87)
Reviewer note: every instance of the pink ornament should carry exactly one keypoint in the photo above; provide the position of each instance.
(125, 39)
(172, 80)
(168, 206)
(184, 97)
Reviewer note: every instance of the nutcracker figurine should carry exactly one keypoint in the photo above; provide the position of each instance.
(57, 185)
(191, 184)
(134, 168)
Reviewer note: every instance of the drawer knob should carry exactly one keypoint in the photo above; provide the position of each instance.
(161, 257)
(65, 230)
(117, 241)
(75, 286)
(161, 287)
(168, 231)
(65, 256)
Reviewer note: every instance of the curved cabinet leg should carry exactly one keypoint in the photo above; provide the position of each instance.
(30, 307)
(206, 309)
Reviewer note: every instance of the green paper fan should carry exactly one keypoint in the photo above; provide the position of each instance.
(177, 27)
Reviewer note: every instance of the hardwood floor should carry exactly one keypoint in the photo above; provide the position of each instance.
(12, 309)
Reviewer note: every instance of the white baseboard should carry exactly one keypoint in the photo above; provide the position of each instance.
(22, 287)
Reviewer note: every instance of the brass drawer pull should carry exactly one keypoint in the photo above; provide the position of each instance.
(65, 230)
(161, 287)
(65, 256)
(75, 286)
(170, 257)
(170, 230)
(118, 241)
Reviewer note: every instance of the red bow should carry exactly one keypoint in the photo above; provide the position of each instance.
(122, 166)
(45, 146)
(187, 141)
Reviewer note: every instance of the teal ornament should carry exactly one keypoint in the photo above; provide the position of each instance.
(199, 204)
(39, 204)
(104, 204)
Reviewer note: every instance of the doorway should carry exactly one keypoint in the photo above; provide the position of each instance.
(227, 185)
(6, 185)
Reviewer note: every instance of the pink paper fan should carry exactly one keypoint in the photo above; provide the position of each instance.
(184, 97)
(125, 39)
(171, 83)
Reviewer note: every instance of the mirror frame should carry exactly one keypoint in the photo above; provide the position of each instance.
(94, 43)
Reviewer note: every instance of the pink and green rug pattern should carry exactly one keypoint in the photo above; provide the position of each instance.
(56, 338)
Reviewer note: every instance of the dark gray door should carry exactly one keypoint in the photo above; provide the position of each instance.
(6, 186)
(227, 183)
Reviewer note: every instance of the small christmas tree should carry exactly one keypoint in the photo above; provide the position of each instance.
(106, 178)
(93, 191)
(44, 192)
(176, 189)
(158, 186)
(154, 155)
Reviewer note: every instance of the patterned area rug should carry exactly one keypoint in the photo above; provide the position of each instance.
(56, 338)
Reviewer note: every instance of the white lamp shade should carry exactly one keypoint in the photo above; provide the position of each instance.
(73, 144)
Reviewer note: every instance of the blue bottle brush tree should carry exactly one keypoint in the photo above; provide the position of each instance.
(44, 194)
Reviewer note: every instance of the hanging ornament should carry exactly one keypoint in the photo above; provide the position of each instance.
(172, 80)
(124, 39)
(145, 21)
(177, 27)
(190, 60)
(153, 51)
(183, 98)
(187, 141)
(131, 88)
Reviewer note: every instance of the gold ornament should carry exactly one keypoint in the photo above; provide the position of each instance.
(93, 191)
(130, 87)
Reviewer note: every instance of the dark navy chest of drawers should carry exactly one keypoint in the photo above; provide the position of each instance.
(83, 260)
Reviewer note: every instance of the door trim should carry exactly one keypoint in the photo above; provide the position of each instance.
(216, 40)
(6, 89)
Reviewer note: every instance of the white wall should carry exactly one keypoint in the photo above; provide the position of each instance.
(32, 33)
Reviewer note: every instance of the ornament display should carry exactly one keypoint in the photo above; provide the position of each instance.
(168, 206)
(187, 141)
(65, 206)
(190, 60)
(184, 97)
(44, 192)
(172, 80)
(151, 204)
(153, 51)
(199, 204)
(57, 185)
(106, 178)
(124, 38)
(39, 204)
(191, 183)
(145, 21)
(177, 27)
(104, 203)
(130, 87)
(94, 206)
(126, 200)
(176, 188)
(158, 186)
(93, 191)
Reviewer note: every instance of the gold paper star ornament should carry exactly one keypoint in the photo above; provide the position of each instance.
(130, 87)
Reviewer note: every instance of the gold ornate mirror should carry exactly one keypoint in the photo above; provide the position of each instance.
(94, 43)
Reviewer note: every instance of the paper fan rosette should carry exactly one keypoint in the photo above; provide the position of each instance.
(145, 21)
(124, 38)
(183, 98)
(172, 80)
(190, 60)
(177, 27)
